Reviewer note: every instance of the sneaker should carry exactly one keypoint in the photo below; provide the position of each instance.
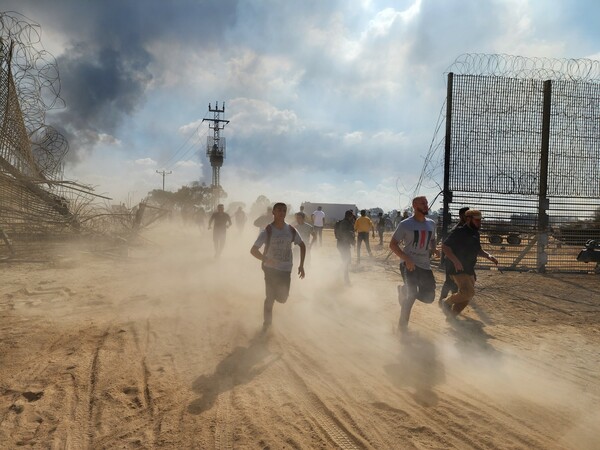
(447, 310)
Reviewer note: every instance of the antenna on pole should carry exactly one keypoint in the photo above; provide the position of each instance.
(215, 147)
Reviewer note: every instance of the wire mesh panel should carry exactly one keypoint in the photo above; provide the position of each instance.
(496, 135)
(31, 206)
(14, 142)
(573, 171)
(574, 163)
(536, 215)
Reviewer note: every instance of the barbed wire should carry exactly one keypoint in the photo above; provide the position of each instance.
(581, 76)
(531, 68)
(495, 152)
(36, 80)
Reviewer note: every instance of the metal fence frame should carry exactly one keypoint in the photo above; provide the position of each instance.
(526, 152)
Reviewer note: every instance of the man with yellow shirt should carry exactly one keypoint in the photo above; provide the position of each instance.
(362, 226)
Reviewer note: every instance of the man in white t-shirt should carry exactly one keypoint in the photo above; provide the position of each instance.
(318, 218)
(277, 262)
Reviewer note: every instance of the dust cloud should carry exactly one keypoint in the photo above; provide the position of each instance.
(163, 348)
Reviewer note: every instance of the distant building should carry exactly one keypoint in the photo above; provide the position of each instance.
(333, 211)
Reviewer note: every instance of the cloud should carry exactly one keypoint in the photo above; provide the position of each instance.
(254, 117)
(145, 162)
(325, 92)
(188, 163)
(190, 127)
(105, 65)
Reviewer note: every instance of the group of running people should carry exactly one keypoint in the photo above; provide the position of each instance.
(460, 250)
(413, 241)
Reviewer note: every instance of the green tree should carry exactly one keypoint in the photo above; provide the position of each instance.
(193, 195)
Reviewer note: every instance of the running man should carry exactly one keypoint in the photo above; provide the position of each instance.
(307, 233)
(240, 219)
(344, 233)
(363, 226)
(449, 284)
(318, 219)
(277, 262)
(221, 221)
(418, 235)
(380, 227)
(462, 247)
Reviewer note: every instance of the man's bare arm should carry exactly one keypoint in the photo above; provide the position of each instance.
(487, 256)
(254, 251)
(302, 256)
(395, 248)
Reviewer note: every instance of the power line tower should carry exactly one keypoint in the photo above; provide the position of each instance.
(215, 147)
(163, 173)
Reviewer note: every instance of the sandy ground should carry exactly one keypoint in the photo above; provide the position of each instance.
(162, 350)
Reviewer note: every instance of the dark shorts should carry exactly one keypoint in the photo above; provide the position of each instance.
(420, 283)
(277, 284)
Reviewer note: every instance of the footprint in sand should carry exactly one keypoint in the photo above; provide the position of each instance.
(132, 392)
(33, 396)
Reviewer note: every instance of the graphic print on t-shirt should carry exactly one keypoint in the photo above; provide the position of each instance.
(421, 238)
(280, 248)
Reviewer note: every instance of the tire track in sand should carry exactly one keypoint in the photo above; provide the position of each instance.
(121, 408)
(223, 426)
(225, 408)
(325, 418)
(93, 380)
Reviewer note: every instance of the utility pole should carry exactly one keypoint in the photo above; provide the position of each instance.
(163, 173)
(215, 148)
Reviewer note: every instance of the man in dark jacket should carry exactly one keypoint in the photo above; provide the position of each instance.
(344, 234)
(462, 247)
(219, 221)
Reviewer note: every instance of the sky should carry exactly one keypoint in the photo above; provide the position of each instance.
(328, 101)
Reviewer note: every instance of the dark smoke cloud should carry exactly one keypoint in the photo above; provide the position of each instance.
(100, 87)
(105, 69)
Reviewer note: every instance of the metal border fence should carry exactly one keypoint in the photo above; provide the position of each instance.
(526, 151)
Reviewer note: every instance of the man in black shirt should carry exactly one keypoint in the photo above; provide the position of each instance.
(449, 284)
(344, 233)
(221, 221)
(462, 247)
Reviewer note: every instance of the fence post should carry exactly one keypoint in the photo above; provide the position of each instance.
(543, 204)
(447, 195)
